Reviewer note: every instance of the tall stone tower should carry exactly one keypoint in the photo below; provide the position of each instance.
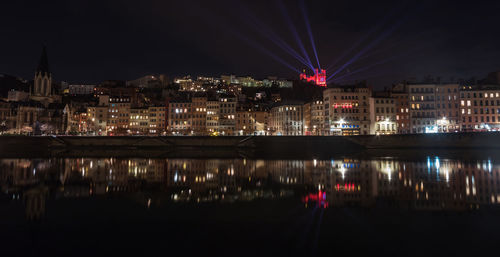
(43, 77)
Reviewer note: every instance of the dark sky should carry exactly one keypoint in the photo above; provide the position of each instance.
(90, 41)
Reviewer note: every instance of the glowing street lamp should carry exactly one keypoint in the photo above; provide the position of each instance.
(443, 122)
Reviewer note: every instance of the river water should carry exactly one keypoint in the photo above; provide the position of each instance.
(426, 205)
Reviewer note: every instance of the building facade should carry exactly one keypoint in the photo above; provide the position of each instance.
(347, 110)
(118, 116)
(287, 120)
(422, 108)
(314, 118)
(383, 116)
(400, 94)
(251, 121)
(447, 108)
(480, 108)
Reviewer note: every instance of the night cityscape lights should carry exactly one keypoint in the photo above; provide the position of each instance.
(319, 77)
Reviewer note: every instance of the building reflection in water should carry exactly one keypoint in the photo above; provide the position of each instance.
(431, 184)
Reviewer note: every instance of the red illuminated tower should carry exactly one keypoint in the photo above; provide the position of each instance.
(319, 78)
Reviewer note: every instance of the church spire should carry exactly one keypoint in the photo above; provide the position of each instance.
(43, 77)
(43, 65)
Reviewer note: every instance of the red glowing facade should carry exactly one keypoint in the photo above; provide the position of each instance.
(319, 78)
(319, 199)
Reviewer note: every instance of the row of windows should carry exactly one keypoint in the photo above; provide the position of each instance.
(386, 101)
(384, 118)
(387, 110)
(481, 119)
(439, 114)
(448, 106)
(336, 119)
(386, 127)
(482, 111)
(249, 121)
(422, 106)
(422, 122)
(422, 98)
(481, 95)
(422, 90)
(486, 103)
(423, 115)
(347, 111)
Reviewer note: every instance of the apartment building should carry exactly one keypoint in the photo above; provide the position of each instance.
(180, 117)
(422, 108)
(480, 108)
(199, 114)
(213, 110)
(98, 119)
(139, 121)
(314, 118)
(287, 119)
(118, 116)
(347, 110)
(447, 108)
(227, 114)
(400, 94)
(157, 120)
(251, 120)
(383, 116)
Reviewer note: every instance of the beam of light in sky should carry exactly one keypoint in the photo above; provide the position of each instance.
(309, 30)
(264, 50)
(377, 40)
(373, 75)
(265, 31)
(337, 79)
(364, 50)
(292, 29)
(401, 55)
(428, 34)
(252, 43)
(362, 39)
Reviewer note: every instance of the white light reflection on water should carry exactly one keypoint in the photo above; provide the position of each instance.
(345, 180)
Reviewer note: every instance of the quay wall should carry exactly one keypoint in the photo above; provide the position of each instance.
(253, 146)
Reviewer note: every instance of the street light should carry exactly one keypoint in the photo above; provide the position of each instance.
(443, 123)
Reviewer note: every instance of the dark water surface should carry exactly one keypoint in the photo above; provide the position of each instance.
(427, 205)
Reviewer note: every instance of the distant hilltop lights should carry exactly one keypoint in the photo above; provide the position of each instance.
(319, 78)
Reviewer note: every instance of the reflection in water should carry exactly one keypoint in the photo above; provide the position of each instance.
(431, 184)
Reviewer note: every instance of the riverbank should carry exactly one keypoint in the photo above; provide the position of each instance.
(239, 146)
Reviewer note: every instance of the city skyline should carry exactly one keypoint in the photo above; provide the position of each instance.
(249, 128)
(90, 42)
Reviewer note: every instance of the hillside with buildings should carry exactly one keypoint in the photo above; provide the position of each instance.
(229, 105)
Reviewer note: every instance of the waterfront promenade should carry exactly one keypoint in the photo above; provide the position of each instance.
(259, 145)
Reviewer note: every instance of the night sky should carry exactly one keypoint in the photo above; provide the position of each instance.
(92, 41)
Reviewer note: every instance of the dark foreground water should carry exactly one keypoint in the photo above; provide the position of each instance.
(422, 206)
